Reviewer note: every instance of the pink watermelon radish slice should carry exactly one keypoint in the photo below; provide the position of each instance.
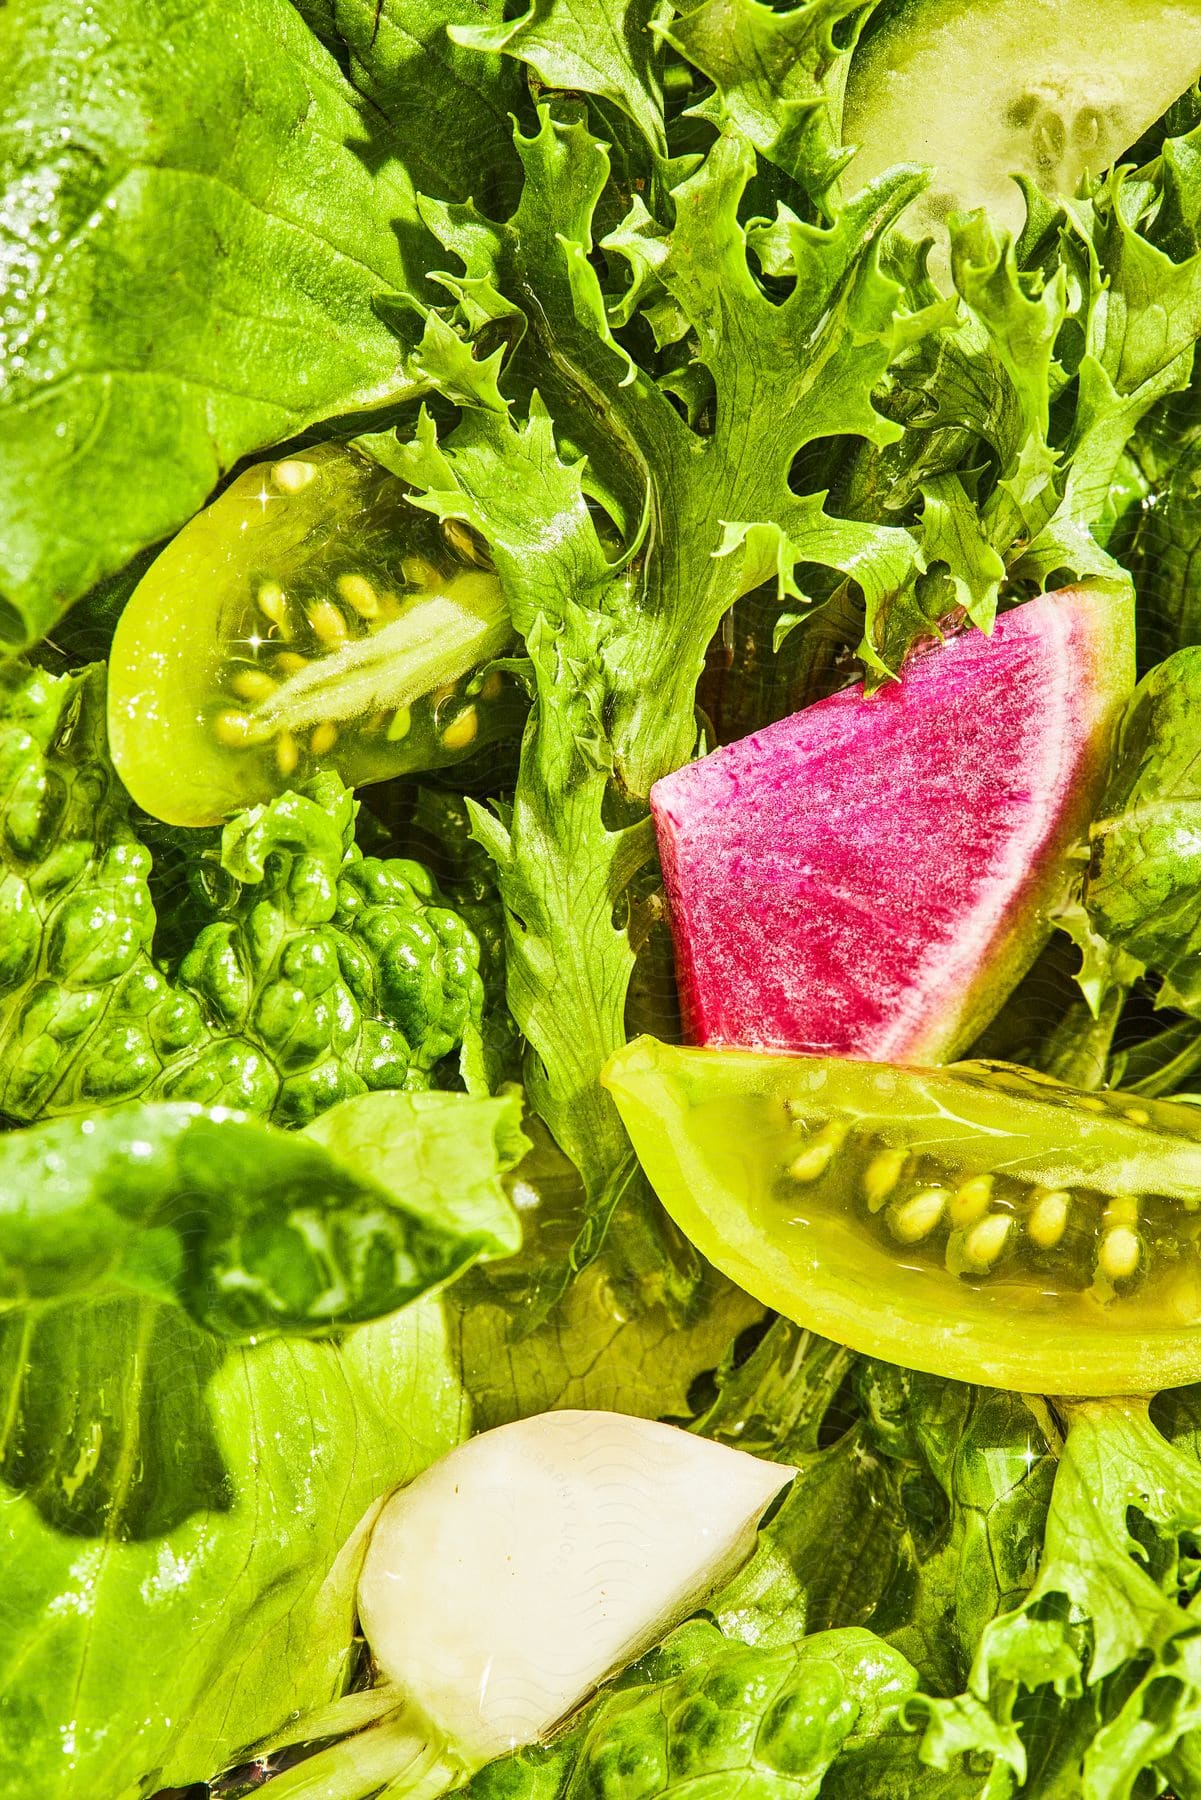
(870, 877)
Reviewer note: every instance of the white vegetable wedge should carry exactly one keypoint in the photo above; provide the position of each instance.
(512, 1576)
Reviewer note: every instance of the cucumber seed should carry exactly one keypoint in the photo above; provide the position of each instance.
(971, 1200)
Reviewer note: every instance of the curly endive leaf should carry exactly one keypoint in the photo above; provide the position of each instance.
(779, 75)
(622, 536)
(592, 46)
(952, 534)
(1103, 1626)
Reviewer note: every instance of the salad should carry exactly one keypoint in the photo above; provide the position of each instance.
(600, 877)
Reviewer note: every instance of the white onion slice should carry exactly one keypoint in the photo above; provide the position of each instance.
(513, 1575)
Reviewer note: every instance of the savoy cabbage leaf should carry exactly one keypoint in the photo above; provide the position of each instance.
(303, 973)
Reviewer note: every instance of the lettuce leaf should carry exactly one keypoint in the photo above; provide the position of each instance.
(438, 115)
(252, 1231)
(192, 1435)
(151, 1647)
(195, 249)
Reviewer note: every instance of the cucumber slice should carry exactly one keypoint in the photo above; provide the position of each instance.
(1053, 89)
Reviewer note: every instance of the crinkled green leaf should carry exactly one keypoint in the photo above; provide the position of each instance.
(1030, 396)
(701, 1714)
(550, 562)
(1145, 874)
(179, 292)
(593, 46)
(1021, 319)
(444, 356)
(302, 972)
(816, 363)
(1143, 315)
(1023, 316)
(1163, 557)
(1152, 307)
(779, 76)
(828, 343)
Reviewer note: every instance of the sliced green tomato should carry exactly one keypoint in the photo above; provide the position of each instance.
(975, 1221)
(311, 617)
(1052, 89)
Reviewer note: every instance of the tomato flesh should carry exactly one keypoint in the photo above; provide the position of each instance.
(977, 1221)
(311, 617)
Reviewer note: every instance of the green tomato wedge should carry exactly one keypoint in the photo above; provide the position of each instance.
(1051, 89)
(976, 1221)
(312, 617)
